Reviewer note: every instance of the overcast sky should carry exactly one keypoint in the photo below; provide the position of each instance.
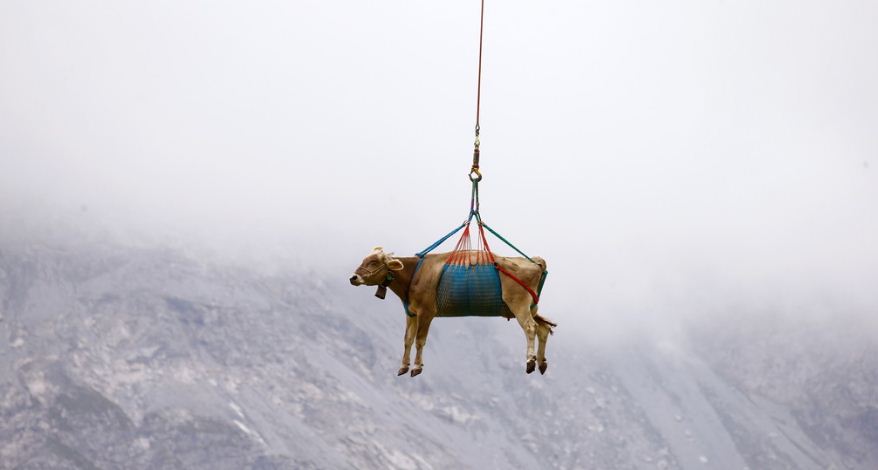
(659, 155)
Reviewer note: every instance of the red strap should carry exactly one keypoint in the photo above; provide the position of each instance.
(520, 282)
(484, 241)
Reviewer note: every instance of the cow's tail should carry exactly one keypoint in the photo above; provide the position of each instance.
(543, 321)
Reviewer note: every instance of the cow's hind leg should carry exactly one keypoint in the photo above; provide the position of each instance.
(411, 329)
(542, 336)
(423, 330)
(544, 329)
(525, 319)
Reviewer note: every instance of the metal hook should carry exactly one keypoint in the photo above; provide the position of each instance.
(478, 175)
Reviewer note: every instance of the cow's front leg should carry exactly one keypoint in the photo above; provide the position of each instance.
(411, 329)
(423, 330)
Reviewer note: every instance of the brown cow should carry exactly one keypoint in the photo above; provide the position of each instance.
(419, 290)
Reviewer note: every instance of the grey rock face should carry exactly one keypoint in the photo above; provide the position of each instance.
(128, 358)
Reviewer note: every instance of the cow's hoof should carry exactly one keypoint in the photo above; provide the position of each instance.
(543, 367)
(416, 371)
(531, 365)
(402, 370)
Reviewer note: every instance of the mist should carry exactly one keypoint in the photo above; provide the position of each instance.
(671, 160)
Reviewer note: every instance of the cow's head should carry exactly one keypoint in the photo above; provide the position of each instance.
(375, 268)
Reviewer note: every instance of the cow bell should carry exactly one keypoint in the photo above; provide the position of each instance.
(381, 292)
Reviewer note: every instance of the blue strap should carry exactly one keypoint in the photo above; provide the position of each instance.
(441, 240)
(507, 242)
(542, 281)
(405, 303)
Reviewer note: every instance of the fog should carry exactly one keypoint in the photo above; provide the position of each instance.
(668, 159)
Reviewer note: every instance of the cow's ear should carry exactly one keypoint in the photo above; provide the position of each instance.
(394, 265)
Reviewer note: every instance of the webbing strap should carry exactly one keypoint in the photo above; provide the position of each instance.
(508, 243)
(474, 200)
(405, 303)
(542, 282)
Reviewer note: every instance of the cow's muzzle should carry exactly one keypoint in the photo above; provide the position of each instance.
(356, 280)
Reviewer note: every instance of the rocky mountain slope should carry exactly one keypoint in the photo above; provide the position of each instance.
(115, 357)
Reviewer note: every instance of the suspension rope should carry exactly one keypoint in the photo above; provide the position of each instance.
(475, 175)
(479, 86)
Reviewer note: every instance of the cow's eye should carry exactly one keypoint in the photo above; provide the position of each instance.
(373, 263)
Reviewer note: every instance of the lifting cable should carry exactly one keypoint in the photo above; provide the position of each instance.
(476, 143)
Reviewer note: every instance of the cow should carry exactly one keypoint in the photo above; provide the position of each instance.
(417, 288)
